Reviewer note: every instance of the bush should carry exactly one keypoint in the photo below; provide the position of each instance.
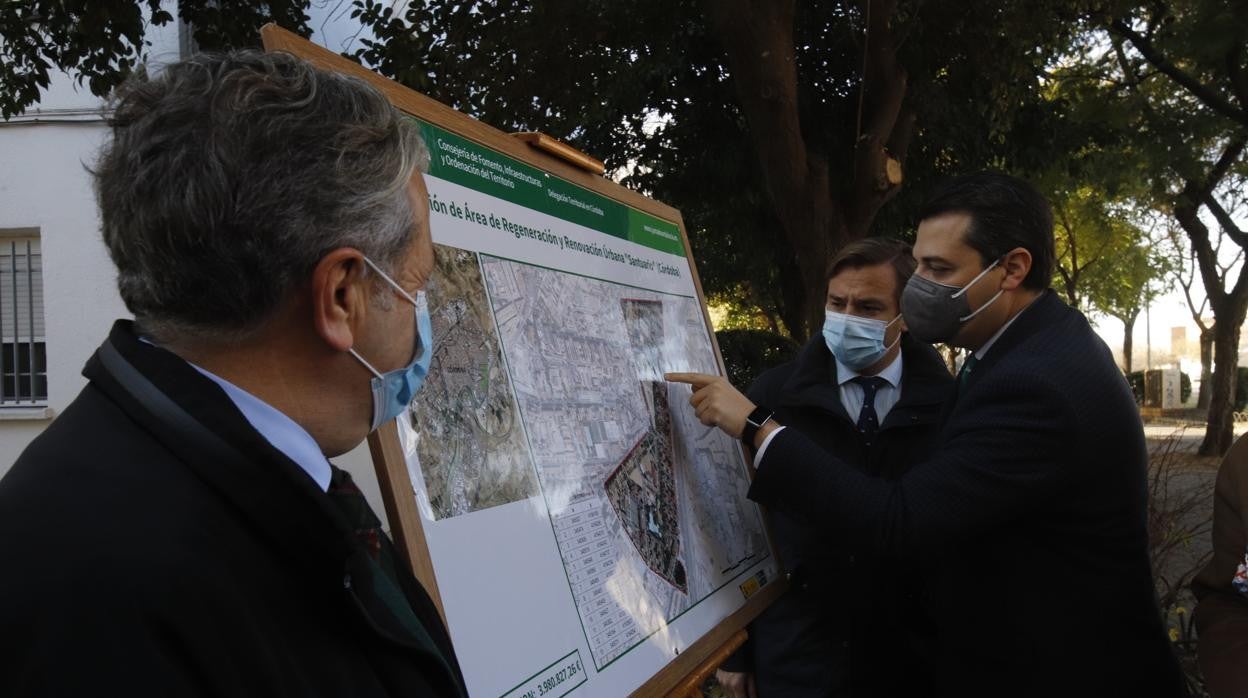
(1136, 380)
(747, 353)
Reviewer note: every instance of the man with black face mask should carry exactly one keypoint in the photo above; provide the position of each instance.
(1028, 522)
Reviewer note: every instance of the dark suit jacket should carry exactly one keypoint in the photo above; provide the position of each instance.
(1028, 522)
(848, 626)
(139, 562)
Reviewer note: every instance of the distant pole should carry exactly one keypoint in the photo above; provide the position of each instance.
(1148, 337)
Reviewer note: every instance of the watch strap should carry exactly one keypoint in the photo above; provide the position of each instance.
(755, 421)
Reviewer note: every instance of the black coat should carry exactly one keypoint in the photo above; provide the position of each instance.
(139, 561)
(1028, 522)
(848, 625)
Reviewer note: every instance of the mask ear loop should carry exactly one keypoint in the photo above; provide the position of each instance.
(974, 281)
(419, 301)
(982, 307)
(895, 341)
(367, 365)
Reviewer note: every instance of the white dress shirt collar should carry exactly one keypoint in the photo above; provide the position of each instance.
(281, 431)
(980, 352)
(890, 373)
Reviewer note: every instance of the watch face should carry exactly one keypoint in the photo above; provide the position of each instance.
(757, 417)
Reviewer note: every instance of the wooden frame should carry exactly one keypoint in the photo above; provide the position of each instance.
(685, 673)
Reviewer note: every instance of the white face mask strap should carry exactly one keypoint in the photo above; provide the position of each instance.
(366, 364)
(895, 341)
(419, 301)
(974, 281)
(390, 281)
(985, 305)
(846, 317)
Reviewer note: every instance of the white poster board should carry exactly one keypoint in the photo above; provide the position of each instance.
(584, 528)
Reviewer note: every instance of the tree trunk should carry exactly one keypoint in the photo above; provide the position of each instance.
(758, 41)
(1220, 433)
(1206, 368)
(757, 36)
(794, 301)
(1128, 341)
(1228, 305)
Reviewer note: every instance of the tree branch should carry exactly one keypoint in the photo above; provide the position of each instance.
(1207, 96)
(885, 126)
(1186, 284)
(1186, 213)
(1230, 154)
(1239, 80)
(1224, 219)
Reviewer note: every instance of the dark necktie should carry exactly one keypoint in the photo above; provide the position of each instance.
(350, 501)
(344, 493)
(868, 420)
(965, 374)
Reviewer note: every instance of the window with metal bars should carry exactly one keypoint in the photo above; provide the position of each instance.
(23, 352)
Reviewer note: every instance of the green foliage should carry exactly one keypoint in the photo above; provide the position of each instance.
(100, 43)
(747, 353)
(1131, 276)
(645, 86)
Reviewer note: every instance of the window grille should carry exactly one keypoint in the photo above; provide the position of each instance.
(23, 353)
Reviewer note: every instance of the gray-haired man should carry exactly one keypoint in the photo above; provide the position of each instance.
(178, 529)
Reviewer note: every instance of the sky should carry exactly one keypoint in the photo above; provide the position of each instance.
(333, 26)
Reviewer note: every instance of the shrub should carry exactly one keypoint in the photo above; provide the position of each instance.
(1136, 380)
(747, 353)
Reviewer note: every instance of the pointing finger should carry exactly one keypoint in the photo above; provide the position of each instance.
(697, 380)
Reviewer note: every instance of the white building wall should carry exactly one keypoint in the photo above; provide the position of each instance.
(44, 185)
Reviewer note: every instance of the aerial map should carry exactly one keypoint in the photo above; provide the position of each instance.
(472, 449)
(642, 532)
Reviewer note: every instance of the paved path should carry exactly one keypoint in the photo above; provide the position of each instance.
(1189, 436)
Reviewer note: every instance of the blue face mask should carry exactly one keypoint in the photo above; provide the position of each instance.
(393, 390)
(857, 342)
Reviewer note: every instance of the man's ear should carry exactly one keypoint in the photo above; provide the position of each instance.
(1017, 265)
(339, 297)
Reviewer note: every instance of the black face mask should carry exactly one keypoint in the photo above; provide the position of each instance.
(934, 312)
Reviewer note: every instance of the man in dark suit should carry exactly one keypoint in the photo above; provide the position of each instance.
(867, 392)
(1028, 521)
(178, 530)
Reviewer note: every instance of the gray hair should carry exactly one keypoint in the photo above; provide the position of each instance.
(229, 176)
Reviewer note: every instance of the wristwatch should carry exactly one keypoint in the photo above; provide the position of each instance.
(753, 423)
